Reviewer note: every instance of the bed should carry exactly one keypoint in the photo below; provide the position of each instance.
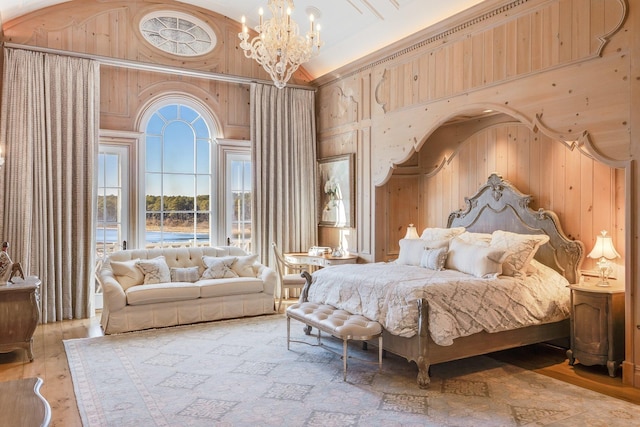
(409, 313)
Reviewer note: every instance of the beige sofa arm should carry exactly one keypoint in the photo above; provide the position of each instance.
(269, 277)
(114, 298)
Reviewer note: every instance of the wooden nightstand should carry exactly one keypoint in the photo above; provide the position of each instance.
(597, 324)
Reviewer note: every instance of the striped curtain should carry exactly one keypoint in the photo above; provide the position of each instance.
(283, 132)
(49, 137)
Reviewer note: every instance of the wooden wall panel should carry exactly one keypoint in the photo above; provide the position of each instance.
(563, 67)
(553, 33)
(110, 29)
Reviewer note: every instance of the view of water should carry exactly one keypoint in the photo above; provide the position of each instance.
(110, 235)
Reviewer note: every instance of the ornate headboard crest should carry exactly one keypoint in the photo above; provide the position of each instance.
(498, 205)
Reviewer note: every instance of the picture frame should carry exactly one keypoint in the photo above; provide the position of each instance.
(336, 191)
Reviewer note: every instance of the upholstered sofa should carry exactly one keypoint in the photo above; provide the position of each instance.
(152, 288)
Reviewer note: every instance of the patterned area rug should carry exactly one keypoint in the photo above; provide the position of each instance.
(240, 373)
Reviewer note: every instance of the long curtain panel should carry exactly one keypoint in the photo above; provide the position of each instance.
(49, 134)
(283, 132)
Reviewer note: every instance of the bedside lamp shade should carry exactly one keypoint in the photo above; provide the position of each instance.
(412, 233)
(603, 250)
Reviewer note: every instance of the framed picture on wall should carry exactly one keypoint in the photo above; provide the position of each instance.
(336, 191)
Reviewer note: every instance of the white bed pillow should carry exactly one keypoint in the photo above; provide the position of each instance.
(434, 259)
(435, 233)
(411, 249)
(521, 247)
(482, 239)
(479, 261)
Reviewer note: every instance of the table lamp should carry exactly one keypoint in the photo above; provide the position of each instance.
(604, 251)
(412, 233)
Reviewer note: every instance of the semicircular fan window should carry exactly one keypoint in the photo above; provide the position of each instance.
(177, 33)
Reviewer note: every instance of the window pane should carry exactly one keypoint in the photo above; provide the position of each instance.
(202, 228)
(155, 125)
(203, 157)
(110, 205)
(170, 112)
(247, 176)
(178, 148)
(201, 128)
(187, 114)
(111, 170)
(154, 154)
(204, 184)
(236, 176)
(179, 185)
(154, 188)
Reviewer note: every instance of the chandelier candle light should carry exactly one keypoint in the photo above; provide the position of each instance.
(603, 250)
(279, 47)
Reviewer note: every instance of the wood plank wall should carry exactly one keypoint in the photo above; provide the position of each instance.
(563, 69)
(582, 191)
(111, 29)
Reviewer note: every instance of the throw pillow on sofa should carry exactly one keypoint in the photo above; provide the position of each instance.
(185, 274)
(218, 267)
(243, 266)
(127, 274)
(155, 270)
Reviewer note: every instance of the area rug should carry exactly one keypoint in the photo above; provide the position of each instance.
(240, 373)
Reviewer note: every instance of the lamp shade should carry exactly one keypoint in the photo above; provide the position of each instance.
(412, 233)
(604, 247)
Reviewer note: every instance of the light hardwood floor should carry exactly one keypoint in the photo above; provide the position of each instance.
(50, 364)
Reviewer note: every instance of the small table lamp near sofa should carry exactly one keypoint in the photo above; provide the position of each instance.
(604, 251)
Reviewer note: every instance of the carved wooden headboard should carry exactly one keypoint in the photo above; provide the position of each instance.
(498, 205)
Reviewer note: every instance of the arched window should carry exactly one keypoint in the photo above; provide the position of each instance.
(178, 177)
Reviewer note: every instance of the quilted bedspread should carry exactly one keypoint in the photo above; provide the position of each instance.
(459, 304)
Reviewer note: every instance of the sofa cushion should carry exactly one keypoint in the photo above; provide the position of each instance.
(185, 274)
(218, 267)
(155, 270)
(229, 286)
(127, 273)
(162, 292)
(243, 266)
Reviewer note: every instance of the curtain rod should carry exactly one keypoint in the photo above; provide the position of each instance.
(145, 66)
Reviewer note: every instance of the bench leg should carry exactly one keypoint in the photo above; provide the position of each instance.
(344, 360)
(380, 353)
(288, 331)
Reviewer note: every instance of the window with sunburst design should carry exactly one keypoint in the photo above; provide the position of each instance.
(177, 33)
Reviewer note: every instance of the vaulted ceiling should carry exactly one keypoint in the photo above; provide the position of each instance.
(350, 28)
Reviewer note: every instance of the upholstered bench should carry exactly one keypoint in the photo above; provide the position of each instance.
(338, 323)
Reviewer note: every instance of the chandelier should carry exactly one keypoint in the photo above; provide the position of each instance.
(279, 47)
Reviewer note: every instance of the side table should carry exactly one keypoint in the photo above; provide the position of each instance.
(597, 324)
(19, 315)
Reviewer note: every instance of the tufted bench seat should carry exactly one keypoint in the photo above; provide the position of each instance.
(338, 323)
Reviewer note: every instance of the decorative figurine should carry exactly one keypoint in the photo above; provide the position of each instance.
(5, 264)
